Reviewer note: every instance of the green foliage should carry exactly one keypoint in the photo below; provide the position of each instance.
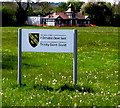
(116, 9)
(116, 20)
(8, 16)
(61, 7)
(22, 12)
(64, 6)
(47, 77)
(43, 8)
(77, 5)
(11, 5)
(116, 15)
(102, 13)
(30, 11)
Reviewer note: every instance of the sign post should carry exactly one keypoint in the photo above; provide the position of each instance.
(19, 55)
(75, 58)
(47, 40)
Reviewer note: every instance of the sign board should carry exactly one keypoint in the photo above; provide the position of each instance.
(47, 40)
(43, 40)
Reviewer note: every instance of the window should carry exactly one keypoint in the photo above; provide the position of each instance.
(50, 20)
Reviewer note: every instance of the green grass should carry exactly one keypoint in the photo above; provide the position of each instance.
(47, 77)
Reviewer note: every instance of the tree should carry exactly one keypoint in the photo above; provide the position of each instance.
(62, 7)
(77, 5)
(99, 12)
(116, 15)
(8, 14)
(11, 5)
(43, 8)
(22, 11)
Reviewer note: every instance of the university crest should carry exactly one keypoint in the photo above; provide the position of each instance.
(33, 39)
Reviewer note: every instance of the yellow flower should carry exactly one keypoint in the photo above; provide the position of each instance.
(75, 104)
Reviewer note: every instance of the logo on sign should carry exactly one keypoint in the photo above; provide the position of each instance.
(33, 39)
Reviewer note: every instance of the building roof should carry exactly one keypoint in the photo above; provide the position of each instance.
(55, 15)
(64, 15)
(80, 16)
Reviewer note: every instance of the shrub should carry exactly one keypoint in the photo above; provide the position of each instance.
(8, 16)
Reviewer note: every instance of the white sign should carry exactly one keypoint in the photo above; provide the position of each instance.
(44, 40)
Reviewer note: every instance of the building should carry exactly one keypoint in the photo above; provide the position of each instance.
(67, 18)
(34, 20)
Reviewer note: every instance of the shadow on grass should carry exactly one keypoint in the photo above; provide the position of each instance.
(9, 61)
(43, 87)
(26, 65)
(75, 88)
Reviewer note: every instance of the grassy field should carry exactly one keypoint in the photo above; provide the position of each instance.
(47, 77)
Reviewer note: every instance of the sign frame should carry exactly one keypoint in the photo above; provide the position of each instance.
(19, 79)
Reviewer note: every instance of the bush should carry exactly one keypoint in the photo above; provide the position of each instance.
(8, 17)
(116, 20)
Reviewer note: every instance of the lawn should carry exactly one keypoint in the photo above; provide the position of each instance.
(47, 77)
